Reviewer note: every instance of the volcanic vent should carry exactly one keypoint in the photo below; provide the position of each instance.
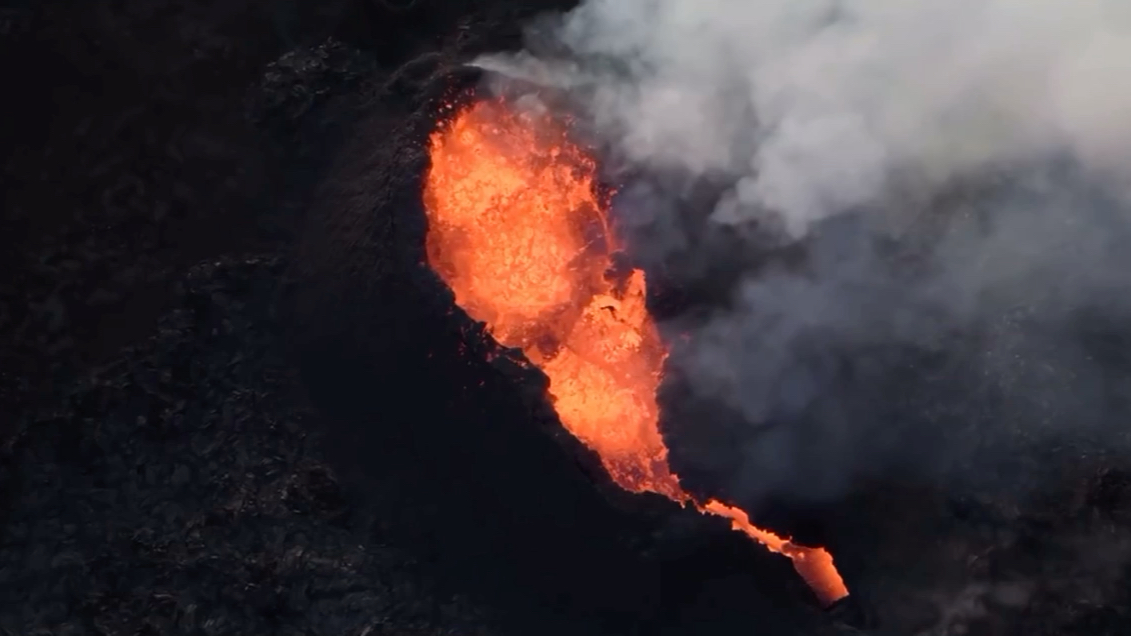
(518, 228)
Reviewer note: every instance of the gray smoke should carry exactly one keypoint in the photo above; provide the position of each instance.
(956, 175)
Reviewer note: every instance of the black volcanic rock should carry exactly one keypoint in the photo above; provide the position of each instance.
(179, 490)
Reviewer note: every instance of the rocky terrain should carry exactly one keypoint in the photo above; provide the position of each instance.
(178, 489)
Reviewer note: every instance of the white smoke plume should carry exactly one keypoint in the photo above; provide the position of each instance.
(951, 167)
(820, 104)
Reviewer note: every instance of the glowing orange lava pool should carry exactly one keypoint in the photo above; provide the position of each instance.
(518, 230)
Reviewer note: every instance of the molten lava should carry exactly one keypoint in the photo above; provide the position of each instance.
(519, 232)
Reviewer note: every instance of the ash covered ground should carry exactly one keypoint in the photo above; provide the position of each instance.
(233, 402)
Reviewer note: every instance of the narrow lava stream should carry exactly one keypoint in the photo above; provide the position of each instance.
(520, 234)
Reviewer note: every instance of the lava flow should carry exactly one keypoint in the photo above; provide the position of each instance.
(518, 230)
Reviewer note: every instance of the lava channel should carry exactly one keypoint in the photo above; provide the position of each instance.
(519, 232)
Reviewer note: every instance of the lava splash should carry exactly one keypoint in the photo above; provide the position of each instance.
(519, 231)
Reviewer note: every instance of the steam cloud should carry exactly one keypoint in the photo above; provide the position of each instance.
(956, 175)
